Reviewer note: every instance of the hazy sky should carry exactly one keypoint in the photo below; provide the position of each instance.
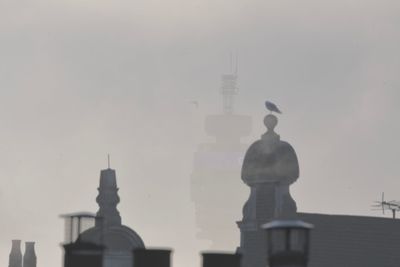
(83, 78)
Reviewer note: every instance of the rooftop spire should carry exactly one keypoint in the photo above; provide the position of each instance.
(108, 199)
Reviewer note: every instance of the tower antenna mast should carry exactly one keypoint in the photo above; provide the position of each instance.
(229, 88)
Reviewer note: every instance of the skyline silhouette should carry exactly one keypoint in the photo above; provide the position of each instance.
(80, 79)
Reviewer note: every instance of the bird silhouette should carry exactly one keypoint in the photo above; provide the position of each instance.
(272, 107)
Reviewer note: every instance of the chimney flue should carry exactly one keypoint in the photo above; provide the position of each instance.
(15, 259)
(30, 255)
(151, 258)
(211, 259)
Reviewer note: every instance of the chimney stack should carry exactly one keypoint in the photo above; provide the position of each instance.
(151, 258)
(212, 259)
(30, 255)
(15, 259)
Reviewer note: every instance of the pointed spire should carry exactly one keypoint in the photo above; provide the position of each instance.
(108, 199)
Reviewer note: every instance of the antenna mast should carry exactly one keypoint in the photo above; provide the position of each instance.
(228, 87)
(393, 205)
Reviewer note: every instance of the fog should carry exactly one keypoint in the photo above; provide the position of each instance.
(83, 79)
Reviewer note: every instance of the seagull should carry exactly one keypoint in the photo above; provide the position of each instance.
(272, 107)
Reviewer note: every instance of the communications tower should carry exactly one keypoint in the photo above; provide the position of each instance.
(216, 189)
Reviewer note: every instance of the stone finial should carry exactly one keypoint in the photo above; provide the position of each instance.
(270, 121)
(270, 138)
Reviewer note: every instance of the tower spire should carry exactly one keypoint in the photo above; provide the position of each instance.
(108, 199)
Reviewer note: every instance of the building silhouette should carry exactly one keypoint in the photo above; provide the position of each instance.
(82, 254)
(152, 258)
(216, 169)
(118, 240)
(270, 166)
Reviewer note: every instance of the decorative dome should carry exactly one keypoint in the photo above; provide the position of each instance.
(114, 238)
(109, 230)
(269, 159)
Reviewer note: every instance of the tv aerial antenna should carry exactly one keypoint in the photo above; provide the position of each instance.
(393, 205)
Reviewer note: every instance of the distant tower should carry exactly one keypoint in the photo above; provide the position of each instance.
(228, 91)
(15, 259)
(119, 240)
(269, 168)
(215, 187)
(229, 88)
(29, 255)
